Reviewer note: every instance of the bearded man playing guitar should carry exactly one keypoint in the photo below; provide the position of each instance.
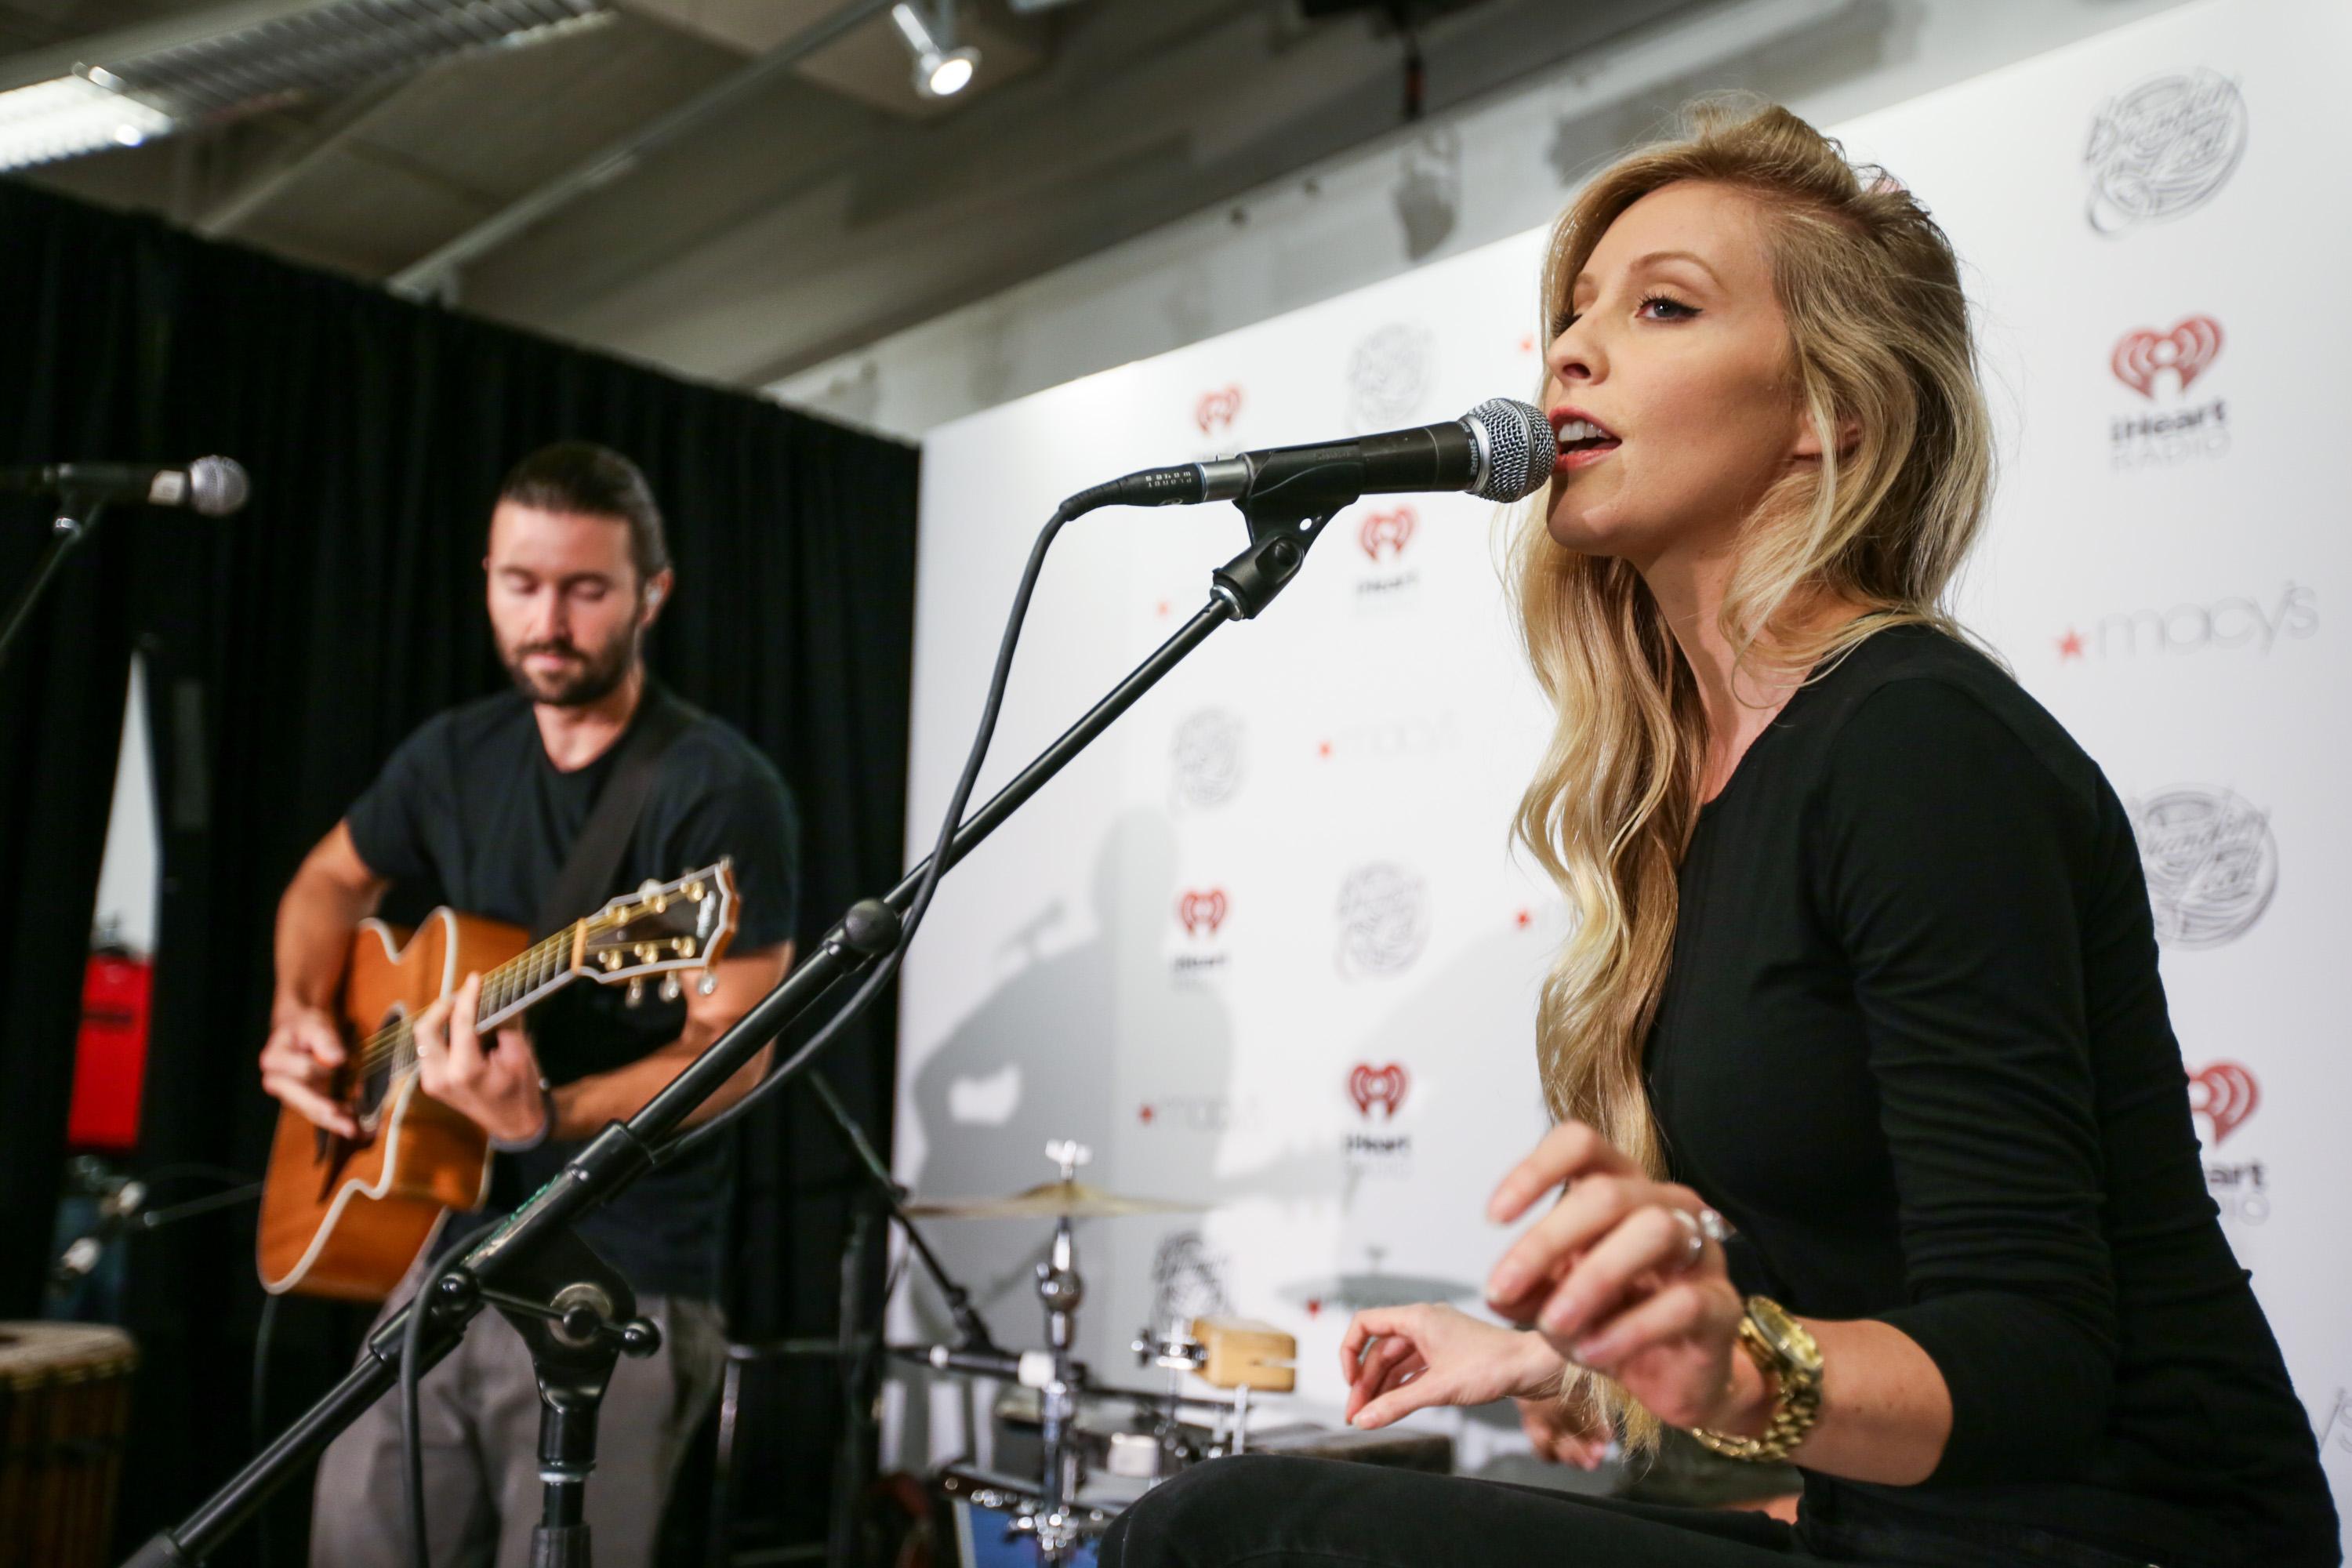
(482, 806)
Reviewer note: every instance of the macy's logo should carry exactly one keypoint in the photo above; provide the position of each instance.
(1201, 910)
(2225, 1094)
(2193, 343)
(1369, 1086)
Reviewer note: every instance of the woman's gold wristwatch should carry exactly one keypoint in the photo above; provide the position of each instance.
(1787, 1354)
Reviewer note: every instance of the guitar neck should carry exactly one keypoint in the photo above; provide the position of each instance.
(660, 929)
(529, 977)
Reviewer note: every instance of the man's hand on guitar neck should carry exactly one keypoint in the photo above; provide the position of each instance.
(498, 1090)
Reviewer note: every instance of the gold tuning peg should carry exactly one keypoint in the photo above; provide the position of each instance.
(707, 985)
(670, 989)
(636, 990)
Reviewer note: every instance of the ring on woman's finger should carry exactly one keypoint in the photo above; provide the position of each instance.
(1718, 1229)
(1694, 1234)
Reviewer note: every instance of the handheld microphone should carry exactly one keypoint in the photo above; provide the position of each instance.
(1502, 450)
(214, 487)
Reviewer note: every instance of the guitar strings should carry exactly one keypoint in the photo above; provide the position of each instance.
(503, 987)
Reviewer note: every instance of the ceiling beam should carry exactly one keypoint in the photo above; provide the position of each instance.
(332, 132)
(435, 275)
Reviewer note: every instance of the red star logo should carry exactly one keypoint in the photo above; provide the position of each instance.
(1526, 342)
(2071, 644)
(1163, 606)
(1144, 1115)
(1324, 750)
(1523, 919)
(1314, 1306)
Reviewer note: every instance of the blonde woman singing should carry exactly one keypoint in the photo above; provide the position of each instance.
(1873, 1132)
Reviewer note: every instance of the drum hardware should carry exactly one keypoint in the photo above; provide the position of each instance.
(1060, 1290)
(1238, 1356)
(856, 1346)
(1128, 1432)
(1053, 1516)
(1228, 1352)
(1066, 1199)
(1080, 1521)
(1175, 1353)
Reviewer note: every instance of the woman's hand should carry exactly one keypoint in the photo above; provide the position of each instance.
(497, 1088)
(1613, 1280)
(1398, 1359)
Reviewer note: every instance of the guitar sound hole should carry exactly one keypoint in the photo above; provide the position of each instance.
(375, 1083)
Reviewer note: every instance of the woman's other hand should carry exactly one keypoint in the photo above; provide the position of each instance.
(1400, 1359)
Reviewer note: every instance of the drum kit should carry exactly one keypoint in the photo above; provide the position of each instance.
(1099, 1445)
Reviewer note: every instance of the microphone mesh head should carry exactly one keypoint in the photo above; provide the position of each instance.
(217, 486)
(1521, 445)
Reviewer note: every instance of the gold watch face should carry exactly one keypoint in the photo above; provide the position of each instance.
(1790, 1341)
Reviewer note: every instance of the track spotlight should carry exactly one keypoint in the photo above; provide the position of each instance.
(941, 69)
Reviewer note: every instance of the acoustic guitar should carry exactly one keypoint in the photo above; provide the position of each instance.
(344, 1217)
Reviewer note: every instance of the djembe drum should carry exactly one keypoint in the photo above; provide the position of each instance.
(65, 1399)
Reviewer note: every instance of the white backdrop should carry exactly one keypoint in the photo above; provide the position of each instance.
(1265, 947)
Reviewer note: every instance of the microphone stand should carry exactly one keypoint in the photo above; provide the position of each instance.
(971, 1332)
(535, 1249)
(76, 517)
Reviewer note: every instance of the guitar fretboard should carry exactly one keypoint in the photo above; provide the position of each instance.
(538, 970)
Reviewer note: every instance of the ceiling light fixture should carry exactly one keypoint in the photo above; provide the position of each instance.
(941, 69)
(218, 64)
(70, 115)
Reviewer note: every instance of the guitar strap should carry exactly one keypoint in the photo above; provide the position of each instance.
(586, 880)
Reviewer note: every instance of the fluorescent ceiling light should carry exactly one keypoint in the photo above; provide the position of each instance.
(72, 115)
(159, 78)
(941, 69)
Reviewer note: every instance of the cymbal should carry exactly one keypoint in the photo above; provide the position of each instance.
(1048, 1200)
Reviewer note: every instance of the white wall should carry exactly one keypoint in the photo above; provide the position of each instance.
(1504, 165)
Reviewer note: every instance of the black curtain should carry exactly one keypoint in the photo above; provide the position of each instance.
(291, 647)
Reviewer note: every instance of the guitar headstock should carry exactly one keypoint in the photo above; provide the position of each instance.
(662, 927)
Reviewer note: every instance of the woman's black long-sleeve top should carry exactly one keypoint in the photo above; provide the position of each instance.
(1913, 1045)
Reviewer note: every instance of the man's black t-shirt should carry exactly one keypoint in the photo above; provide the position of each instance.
(470, 812)
(1913, 1045)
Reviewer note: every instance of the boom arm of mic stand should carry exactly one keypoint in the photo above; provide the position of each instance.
(623, 1150)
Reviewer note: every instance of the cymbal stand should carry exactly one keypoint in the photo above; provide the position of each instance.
(1060, 1290)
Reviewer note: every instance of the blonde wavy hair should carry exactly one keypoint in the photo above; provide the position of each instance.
(1881, 354)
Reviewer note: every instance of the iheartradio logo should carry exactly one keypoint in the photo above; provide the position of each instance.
(1200, 911)
(1217, 410)
(1369, 1086)
(1387, 532)
(2226, 1095)
(2140, 357)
